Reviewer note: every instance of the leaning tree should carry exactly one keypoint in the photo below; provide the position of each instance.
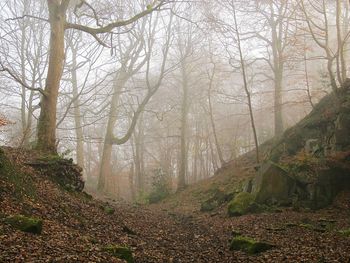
(58, 10)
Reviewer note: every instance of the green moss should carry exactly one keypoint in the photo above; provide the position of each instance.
(25, 224)
(241, 204)
(345, 232)
(249, 245)
(122, 252)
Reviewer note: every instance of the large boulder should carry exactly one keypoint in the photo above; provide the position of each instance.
(329, 182)
(273, 185)
(241, 204)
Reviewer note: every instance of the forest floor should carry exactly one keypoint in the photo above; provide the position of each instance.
(77, 228)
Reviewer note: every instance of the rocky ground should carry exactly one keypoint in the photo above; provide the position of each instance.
(77, 228)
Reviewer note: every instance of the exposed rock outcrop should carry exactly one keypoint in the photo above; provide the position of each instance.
(62, 171)
(327, 127)
(273, 185)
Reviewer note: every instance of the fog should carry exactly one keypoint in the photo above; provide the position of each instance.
(170, 97)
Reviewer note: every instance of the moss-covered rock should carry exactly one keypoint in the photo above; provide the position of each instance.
(241, 204)
(25, 224)
(122, 252)
(249, 245)
(273, 185)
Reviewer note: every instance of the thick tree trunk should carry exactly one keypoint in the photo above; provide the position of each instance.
(47, 119)
(105, 168)
(278, 78)
(138, 157)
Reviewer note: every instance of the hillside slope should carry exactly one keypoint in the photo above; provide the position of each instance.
(318, 142)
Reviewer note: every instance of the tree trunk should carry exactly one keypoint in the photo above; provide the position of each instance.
(244, 76)
(47, 119)
(213, 126)
(105, 168)
(138, 158)
(183, 141)
(278, 115)
(196, 154)
(77, 114)
(278, 78)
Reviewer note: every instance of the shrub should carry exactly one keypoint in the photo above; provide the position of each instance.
(160, 187)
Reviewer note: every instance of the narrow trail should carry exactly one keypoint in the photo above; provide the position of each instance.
(164, 235)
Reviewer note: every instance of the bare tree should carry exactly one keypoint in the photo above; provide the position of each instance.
(128, 68)
(231, 34)
(24, 58)
(319, 19)
(58, 10)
